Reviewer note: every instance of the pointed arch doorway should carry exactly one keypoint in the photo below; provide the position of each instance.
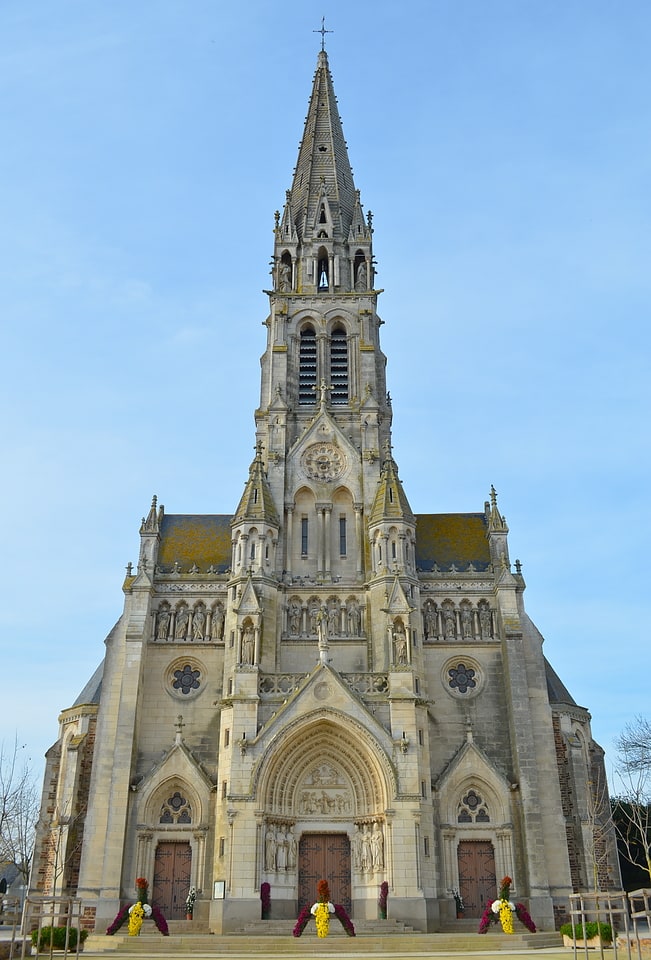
(324, 856)
(477, 880)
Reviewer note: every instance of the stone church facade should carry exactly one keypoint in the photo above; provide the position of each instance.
(324, 683)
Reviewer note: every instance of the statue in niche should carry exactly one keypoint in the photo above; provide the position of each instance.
(356, 845)
(430, 619)
(163, 623)
(198, 623)
(294, 618)
(366, 854)
(270, 850)
(333, 618)
(400, 643)
(292, 849)
(217, 625)
(248, 640)
(354, 619)
(466, 621)
(485, 622)
(314, 611)
(377, 848)
(450, 625)
(322, 625)
(281, 850)
(284, 276)
(181, 629)
(360, 282)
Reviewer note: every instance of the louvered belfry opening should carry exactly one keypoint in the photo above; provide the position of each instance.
(339, 366)
(307, 367)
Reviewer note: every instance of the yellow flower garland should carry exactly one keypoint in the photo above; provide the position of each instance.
(322, 919)
(506, 916)
(135, 919)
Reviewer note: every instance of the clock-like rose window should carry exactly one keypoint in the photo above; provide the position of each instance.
(323, 461)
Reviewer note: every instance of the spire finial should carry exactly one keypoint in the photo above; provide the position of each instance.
(493, 496)
(323, 32)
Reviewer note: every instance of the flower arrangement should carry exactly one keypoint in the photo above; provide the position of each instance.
(136, 916)
(502, 910)
(136, 912)
(321, 911)
(265, 899)
(382, 899)
(190, 901)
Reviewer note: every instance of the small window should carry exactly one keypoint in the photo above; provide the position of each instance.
(342, 536)
(426, 846)
(304, 536)
(224, 789)
(227, 737)
(222, 846)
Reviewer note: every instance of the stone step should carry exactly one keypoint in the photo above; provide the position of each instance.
(152, 944)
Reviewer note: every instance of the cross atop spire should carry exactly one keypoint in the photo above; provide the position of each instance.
(323, 32)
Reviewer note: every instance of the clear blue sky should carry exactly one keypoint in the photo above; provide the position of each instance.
(504, 148)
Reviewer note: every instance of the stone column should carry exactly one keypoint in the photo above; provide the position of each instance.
(359, 559)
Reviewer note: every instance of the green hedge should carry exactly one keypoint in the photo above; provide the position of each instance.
(592, 929)
(58, 938)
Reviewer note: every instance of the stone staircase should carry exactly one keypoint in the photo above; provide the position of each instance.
(269, 938)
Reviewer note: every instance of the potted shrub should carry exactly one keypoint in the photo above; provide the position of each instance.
(595, 934)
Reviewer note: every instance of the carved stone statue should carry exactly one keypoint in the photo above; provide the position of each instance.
(430, 620)
(163, 624)
(284, 276)
(198, 623)
(294, 618)
(466, 621)
(354, 619)
(270, 850)
(217, 625)
(333, 618)
(248, 640)
(181, 628)
(314, 611)
(400, 643)
(377, 848)
(485, 622)
(450, 625)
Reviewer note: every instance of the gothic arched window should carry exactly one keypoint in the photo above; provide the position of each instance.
(176, 809)
(307, 367)
(473, 809)
(339, 366)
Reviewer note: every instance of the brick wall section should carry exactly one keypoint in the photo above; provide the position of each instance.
(42, 874)
(76, 837)
(565, 783)
(88, 918)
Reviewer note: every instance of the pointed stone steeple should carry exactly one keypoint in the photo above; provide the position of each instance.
(256, 503)
(390, 500)
(323, 242)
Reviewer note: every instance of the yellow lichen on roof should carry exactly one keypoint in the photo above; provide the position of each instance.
(192, 538)
(446, 538)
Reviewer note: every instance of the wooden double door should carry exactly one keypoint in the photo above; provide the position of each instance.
(172, 871)
(324, 856)
(477, 881)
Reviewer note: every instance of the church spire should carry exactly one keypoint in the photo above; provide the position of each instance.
(322, 196)
(323, 241)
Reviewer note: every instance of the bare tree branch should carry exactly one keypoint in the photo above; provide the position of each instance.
(19, 806)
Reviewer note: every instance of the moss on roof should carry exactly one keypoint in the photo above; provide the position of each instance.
(447, 538)
(204, 539)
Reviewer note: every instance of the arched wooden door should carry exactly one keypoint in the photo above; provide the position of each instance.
(172, 870)
(324, 856)
(477, 881)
